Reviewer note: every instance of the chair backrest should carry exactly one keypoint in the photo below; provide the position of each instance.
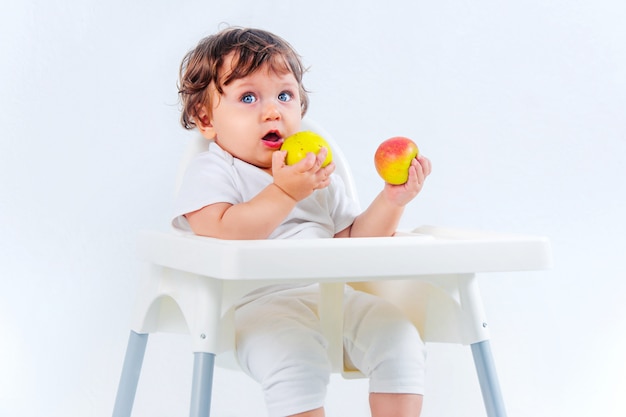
(200, 144)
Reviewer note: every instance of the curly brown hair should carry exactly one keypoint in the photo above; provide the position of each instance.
(252, 48)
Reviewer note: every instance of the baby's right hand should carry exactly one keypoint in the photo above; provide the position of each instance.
(301, 179)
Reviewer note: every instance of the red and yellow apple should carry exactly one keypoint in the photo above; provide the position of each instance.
(300, 144)
(393, 159)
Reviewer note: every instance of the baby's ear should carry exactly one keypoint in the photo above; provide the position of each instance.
(203, 122)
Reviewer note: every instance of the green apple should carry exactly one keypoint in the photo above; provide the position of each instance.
(300, 144)
(393, 159)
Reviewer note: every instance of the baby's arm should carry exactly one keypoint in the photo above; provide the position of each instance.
(260, 216)
(381, 218)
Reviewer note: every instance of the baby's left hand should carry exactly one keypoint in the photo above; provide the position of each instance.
(402, 194)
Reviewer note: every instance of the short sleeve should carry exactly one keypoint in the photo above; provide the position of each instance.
(208, 180)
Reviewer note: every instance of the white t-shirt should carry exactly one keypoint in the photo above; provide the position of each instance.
(215, 176)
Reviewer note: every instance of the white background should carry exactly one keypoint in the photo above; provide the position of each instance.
(520, 106)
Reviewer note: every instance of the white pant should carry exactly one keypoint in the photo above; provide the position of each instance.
(279, 344)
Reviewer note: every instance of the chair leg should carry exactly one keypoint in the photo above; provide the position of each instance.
(202, 384)
(130, 374)
(488, 378)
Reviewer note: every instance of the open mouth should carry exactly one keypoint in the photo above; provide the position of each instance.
(272, 139)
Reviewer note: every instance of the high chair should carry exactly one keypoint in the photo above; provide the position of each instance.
(191, 282)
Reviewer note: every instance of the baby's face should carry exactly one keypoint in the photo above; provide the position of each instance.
(255, 114)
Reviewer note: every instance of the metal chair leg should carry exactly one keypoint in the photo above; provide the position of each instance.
(202, 385)
(130, 374)
(488, 378)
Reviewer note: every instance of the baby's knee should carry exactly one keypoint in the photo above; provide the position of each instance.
(389, 350)
(397, 363)
(293, 373)
(296, 385)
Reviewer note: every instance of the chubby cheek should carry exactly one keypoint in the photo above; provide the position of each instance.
(296, 125)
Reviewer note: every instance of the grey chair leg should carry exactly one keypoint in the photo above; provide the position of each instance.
(488, 378)
(130, 374)
(202, 384)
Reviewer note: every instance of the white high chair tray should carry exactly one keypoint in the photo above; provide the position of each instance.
(426, 250)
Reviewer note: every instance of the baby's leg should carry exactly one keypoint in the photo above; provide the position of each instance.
(395, 405)
(385, 346)
(279, 344)
(318, 412)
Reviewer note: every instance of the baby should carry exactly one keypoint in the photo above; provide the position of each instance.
(242, 89)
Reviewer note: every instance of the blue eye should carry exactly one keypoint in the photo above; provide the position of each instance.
(248, 98)
(284, 96)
